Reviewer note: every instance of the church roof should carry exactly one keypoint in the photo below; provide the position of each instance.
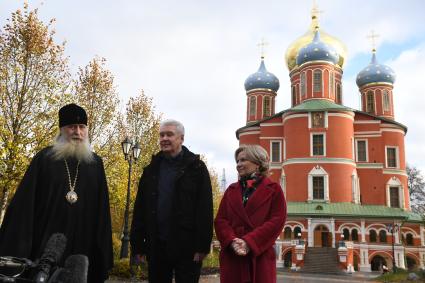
(262, 79)
(317, 50)
(319, 105)
(347, 209)
(375, 73)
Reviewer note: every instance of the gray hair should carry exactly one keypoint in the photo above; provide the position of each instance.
(170, 122)
(257, 155)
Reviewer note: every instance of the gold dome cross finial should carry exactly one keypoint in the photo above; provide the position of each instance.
(262, 45)
(372, 37)
(315, 13)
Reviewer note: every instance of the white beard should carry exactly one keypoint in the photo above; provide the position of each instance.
(62, 149)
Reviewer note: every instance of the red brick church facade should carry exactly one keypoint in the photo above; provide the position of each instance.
(343, 170)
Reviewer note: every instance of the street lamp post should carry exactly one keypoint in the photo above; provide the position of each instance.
(131, 153)
(393, 228)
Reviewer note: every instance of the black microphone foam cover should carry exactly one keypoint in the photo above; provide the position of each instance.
(74, 271)
(52, 254)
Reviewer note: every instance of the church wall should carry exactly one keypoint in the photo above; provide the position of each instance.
(297, 137)
(339, 137)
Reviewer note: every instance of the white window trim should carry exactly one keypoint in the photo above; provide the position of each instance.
(311, 143)
(318, 171)
(397, 157)
(303, 82)
(357, 151)
(355, 187)
(395, 182)
(283, 182)
(284, 149)
(271, 150)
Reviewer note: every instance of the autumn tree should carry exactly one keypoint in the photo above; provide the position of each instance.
(94, 90)
(140, 123)
(33, 77)
(416, 184)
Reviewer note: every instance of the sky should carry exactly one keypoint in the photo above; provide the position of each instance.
(192, 56)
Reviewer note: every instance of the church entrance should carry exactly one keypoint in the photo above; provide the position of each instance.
(322, 237)
(377, 262)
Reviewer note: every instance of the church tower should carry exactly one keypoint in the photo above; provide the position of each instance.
(261, 89)
(375, 84)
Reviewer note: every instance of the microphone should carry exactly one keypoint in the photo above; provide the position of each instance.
(74, 271)
(53, 251)
(9, 261)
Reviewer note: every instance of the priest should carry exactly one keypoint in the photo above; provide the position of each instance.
(64, 190)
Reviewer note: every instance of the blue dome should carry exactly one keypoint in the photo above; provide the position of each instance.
(262, 79)
(375, 73)
(317, 50)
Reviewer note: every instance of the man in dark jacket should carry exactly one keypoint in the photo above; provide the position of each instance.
(173, 212)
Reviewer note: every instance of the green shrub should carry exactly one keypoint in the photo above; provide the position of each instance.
(122, 270)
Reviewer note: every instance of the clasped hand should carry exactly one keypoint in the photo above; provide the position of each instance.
(240, 247)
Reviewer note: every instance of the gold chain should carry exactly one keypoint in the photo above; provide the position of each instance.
(72, 186)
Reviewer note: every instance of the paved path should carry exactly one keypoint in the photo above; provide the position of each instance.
(285, 277)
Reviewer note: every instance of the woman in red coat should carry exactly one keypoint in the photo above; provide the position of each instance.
(250, 218)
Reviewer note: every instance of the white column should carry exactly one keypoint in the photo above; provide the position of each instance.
(363, 230)
(310, 233)
(399, 256)
(333, 232)
(364, 258)
(422, 260)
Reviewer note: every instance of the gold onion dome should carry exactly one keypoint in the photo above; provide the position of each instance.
(295, 47)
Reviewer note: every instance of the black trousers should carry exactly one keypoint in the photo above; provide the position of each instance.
(161, 268)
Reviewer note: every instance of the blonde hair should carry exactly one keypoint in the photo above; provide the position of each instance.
(257, 155)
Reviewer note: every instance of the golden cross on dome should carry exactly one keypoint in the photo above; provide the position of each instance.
(372, 37)
(262, 45)
(315, 12)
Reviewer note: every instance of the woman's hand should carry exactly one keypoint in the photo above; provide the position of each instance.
(240, 247)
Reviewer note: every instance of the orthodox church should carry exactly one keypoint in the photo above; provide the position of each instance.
(342, 170)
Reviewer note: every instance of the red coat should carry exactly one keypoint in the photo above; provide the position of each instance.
(259, 223)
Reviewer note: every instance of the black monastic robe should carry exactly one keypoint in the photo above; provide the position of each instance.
(39, 209)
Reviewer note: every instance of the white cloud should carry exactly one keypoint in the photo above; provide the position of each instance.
(193, 56)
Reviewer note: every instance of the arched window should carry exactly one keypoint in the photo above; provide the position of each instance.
(409, 239)
(294, 96)
(266, 106)
(331, 84)
(297, 232)
(346, 234)
(317, 80)
(302, 85)
(338, 94)
(372, 236)
(252, 106)
(383, 236)
(287, 233)
(354, 235)
(386, 101)
(370, 102)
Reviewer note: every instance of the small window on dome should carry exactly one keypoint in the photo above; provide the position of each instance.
(317, 81)
(266, 106)
(386, 101)
(302, 85)
(338, 94)
(252, 106)
(370, 102)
